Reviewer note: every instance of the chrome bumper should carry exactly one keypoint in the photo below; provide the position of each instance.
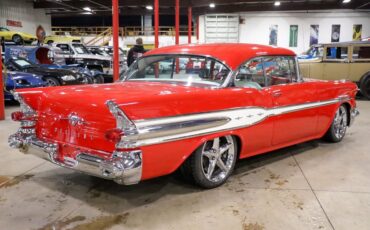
(354, 113)
(124, 167)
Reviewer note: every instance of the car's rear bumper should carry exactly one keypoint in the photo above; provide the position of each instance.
(124, 167)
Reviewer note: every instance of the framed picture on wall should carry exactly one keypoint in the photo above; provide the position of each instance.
(314, 34)
(273, 35)
(335, 33)
(293, 36)
(357, 32)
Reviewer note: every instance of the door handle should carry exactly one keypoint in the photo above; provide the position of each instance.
(276, 94)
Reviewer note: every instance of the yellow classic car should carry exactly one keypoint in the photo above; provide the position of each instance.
(16, 36)
(337, 61)
(57, 39)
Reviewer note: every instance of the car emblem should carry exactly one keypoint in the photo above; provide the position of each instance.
(75, 120)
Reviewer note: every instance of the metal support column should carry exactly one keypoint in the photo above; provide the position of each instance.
(115, 20)
(190, 19)
(177, 22)
(2, 107)
(156, 23)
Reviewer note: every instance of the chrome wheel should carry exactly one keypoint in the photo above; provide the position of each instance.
(51, 82)
(217, 158)
(340, 122)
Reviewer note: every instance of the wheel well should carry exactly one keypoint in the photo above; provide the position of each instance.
(348, 108)
(238, 144)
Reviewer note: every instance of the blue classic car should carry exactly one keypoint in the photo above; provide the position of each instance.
(18, 80)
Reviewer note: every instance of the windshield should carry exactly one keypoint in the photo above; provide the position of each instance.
(22, 63)
(80, 49)
(315, 51)
(183, 69)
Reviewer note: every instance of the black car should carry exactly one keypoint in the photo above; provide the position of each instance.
(52, 77)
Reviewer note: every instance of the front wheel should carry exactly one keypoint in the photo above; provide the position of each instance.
(50, 81)
(17, 39)
(338, 127)
(365, 87)
(213, 162)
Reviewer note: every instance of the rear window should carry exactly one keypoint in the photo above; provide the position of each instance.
(361, 52)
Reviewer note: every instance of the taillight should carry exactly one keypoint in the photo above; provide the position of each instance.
(20, 116)
(114, 135)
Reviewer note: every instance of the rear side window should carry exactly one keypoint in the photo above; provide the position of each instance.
(266, 71)
(361, 52)
(336, 53)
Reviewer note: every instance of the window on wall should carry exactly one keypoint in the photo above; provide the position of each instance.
(333, 53)
(361, 52)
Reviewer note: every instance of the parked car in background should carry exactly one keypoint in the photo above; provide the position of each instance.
(16, 80)
(16, 36)
(61, 39)
(77, 53)
(344, 60)
(52, 77)
(107, 51)
(153, 123)
(315, 52)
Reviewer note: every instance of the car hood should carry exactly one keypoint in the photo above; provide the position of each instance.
(93, 56)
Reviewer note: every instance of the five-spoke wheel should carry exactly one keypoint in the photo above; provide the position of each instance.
(213, 162)
(339, 125)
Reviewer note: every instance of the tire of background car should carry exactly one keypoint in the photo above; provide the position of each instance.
(50, 42)
(212, 163)
(365, 86)
(338, 127)
(17, 39)
(98, 79)
(51, 81)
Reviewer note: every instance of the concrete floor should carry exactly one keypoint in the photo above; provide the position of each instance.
(314, 185)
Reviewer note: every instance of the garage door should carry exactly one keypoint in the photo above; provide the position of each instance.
(222, 28)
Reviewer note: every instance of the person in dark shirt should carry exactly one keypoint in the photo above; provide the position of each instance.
(135, 52)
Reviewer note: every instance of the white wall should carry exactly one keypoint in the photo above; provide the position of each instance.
(149, 40)
(22, 10)
(256, 27)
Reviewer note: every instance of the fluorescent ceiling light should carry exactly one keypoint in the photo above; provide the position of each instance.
(346, 1)
(277, 3)
(212, 5)
(87, 9)
(87, 13)
(149, 7)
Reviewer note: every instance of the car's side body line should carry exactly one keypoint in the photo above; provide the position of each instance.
(156, 131)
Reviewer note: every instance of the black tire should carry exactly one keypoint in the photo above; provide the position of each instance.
(365, 87)
(17, 39)
(338, 127)
(51, 81)
(98, 79)
(194, 167)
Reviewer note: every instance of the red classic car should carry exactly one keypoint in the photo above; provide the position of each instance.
(250, 100)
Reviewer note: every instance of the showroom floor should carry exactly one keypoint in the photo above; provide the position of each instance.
(314, 185)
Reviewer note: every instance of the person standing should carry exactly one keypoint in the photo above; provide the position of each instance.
(135, 52)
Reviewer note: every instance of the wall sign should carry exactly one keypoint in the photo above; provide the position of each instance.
(273, 35)
(293, 36)
(357, 32)
(335, 33)
(314, 34)
(13, 23)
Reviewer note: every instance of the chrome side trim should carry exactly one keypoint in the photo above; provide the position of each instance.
(160, 130)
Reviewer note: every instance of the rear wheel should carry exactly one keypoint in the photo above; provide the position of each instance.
(17, 39)
(50, 81)
(338, 128)
(365, 87)
(212, 163)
